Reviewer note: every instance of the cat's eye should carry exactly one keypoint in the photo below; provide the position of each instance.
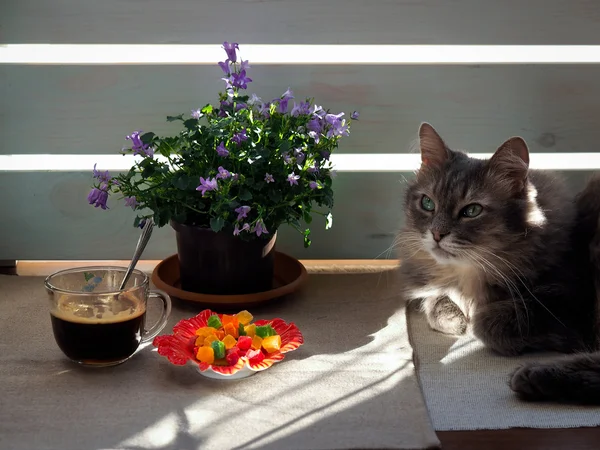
(472, 210)
(427, 204)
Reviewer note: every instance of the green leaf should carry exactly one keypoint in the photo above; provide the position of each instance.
(180, 217)
(307, 240)
(216, 224)
(329, 223)
(147, 137)
(208, 109)
(275, 196)
(148, 171)
(174, 118)
(191, 124)
(136, 222)
(181, 182)
(307, 217)
(245, 195)
(284, 146)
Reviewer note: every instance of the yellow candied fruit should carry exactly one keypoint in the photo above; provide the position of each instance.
(206, 355)
(210, 338)
(244, 317)
(250, 330)
(272, 343)
(200, 341)
(205, 331)
(256, 342)
(229, 341)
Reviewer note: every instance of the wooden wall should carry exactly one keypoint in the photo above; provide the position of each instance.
(89, 109)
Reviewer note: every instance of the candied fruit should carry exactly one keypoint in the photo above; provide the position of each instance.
(214, 321)
(255, 356)
(244, 317)
(244, 342)
(229, 341)
(232, 358)
(206, 355)
(233, 320)
(265, 331)
(219, 349)
(209, 339)
(241, 331)
(256, 342)
(231, 330)
(271, 343)
(205, 331)
(250, 330)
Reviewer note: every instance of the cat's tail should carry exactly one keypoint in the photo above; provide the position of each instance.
(573, 378)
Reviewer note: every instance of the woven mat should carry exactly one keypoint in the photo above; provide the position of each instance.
(351, 385)
(466, 386)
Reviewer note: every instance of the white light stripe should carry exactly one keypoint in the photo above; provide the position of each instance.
(81, 54)
(358, 162)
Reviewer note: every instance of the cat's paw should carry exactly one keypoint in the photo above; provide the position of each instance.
(530, 381)
(447, 318)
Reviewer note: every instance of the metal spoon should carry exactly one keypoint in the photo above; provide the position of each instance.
(139, 249)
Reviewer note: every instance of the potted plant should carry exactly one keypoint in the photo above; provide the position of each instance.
(226, 182)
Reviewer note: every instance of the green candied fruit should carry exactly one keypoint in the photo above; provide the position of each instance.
(219, 349)
(265, 331)
(214, 321)
(241, 330)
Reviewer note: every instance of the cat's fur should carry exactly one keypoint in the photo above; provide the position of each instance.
(521, 276)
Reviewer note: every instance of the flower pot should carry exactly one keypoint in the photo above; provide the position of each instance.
(223, 264)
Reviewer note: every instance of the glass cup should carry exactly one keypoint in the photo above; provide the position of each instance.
(95, 323)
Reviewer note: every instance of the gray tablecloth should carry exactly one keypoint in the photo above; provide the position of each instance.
(351, 385)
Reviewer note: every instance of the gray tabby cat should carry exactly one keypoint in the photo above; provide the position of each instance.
(506, 253)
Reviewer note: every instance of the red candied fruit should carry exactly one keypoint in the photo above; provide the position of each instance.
(244, 342)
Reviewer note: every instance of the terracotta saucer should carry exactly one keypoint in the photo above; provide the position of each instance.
(289, 275)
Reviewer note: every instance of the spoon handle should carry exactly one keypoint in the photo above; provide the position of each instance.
(139, 249)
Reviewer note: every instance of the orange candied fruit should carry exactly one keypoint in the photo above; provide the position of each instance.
(256, 342)
(233, 320)
(229, 341)
(244, 317)
(272, 343)
(206, 355)
(250, 330)
(220, 334)
(205, 331)
(210, 338)
(231, 330)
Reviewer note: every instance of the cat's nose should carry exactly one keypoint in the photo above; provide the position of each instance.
(438, 236)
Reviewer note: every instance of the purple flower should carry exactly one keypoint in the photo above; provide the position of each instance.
(235, 176)
(325, 154)
(287, 158)
(101, 176)
(313, 184)
(333, 174)
(196, 113)
(239, 106)
(207, 185)
(319, 111)
(288, 95)
(98, 197)
(354, 115)
(299, 156)
(313, 169)
(315, 136)
(224, 65)
(260, 228)
(293, 178)
(223, 173)
(240, 80)
(240, 137)
(138, 147)
(269, 178)
(237, 230)
(302, 108)
(265, 110)
(314, 124)
(230, 49)
(339, 128)
(254, 100)
(242, 212)
(333, 118)
(244, 65)
(131, 201)
(221, 150)
(282, 106)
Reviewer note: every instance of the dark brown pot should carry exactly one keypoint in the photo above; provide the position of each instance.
(221, 263)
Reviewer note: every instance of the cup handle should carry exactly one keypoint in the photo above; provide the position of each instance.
(158, 326)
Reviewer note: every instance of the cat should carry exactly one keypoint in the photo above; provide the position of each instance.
(507, 254)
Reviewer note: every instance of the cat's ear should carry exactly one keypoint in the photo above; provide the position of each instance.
(511, 160)
(434, 152)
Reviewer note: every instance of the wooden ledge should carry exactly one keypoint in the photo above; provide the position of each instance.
(47, 267)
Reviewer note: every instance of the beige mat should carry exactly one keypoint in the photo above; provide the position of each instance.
(352, 385)
(466, 386)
